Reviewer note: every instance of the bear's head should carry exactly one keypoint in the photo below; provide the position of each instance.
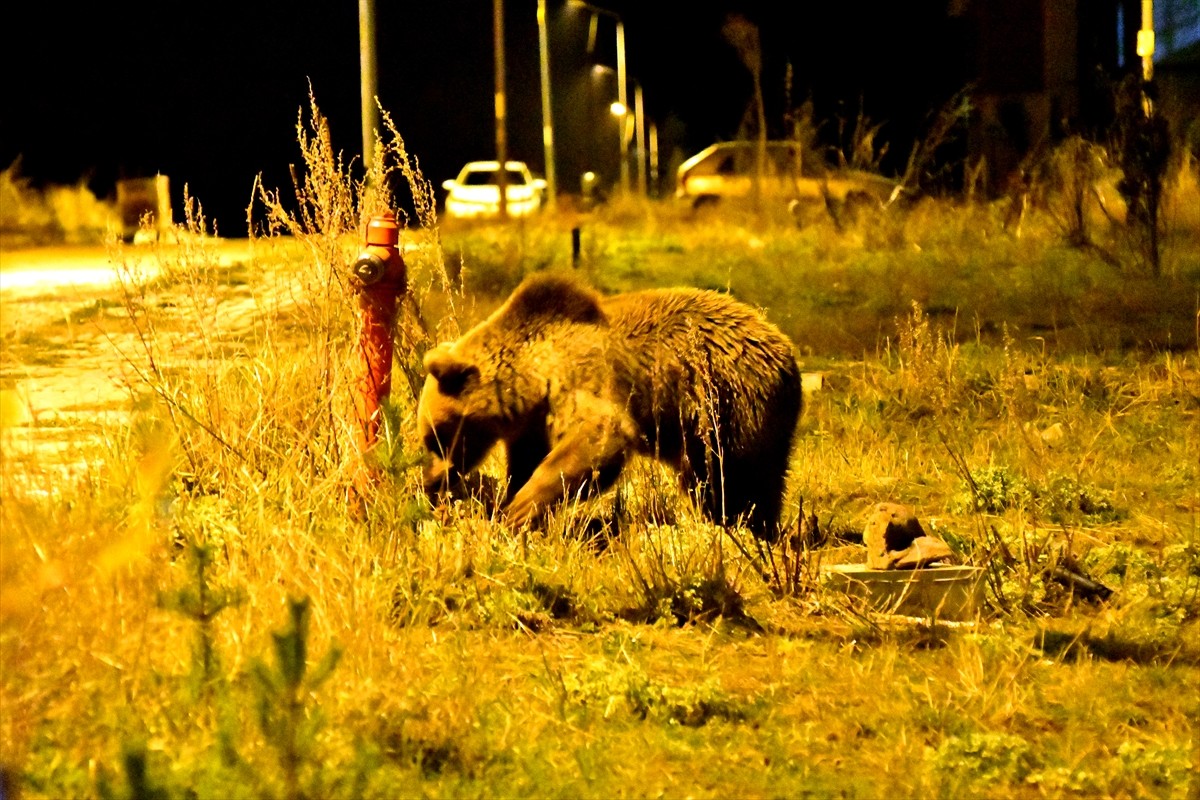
(491, 384)
(456, 428)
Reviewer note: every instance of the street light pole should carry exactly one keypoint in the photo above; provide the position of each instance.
(501, 112)
(622, 98)
(1145, 40)
(366, 68)
(547, 111)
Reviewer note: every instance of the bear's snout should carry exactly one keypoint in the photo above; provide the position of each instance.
(437, 478)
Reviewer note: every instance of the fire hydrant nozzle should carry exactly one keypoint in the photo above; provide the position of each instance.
(381, 278)
(369, 269)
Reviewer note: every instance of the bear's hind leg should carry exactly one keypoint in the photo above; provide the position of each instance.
(745, 492)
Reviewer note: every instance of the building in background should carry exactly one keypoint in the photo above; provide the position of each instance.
(1178, 79)
(1045, 69)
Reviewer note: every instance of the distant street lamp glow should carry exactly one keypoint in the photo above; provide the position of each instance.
(621, 111)
(637, 131)
(597, 11)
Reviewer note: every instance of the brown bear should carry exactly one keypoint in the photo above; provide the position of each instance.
(574, 383)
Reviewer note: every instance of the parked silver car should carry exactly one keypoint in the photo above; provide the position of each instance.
(725, 170)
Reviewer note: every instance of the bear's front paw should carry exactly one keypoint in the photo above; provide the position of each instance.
(519, 513)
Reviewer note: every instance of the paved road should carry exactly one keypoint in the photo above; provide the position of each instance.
(41, 270)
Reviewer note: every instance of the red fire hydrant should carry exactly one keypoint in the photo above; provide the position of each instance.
(380, 279)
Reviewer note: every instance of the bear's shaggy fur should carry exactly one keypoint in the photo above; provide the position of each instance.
(574, 383)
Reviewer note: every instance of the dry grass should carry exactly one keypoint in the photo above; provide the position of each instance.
(664, 656)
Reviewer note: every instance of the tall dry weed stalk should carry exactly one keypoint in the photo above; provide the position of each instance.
(866, 153)
(928, 362)
(1074, 169)
(925, 166)
(435, 288)
(256, 381)
(1142, 147)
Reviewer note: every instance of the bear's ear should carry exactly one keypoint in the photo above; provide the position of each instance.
(450, 371)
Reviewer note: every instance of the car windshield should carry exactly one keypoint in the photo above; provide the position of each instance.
(487, 177)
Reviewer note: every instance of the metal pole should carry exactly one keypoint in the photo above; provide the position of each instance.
(501, 111)
(640, 149)
(366, 66)
(654, 159)
(547, 111)
(623, 98)
(1145, 49)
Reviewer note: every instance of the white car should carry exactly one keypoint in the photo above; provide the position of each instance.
(476, 190)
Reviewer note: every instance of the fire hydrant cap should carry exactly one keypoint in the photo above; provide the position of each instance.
(383, 231)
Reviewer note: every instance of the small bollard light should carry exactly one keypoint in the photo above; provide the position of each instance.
(589, 186)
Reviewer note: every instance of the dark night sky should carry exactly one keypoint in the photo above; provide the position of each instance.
(209, 93)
